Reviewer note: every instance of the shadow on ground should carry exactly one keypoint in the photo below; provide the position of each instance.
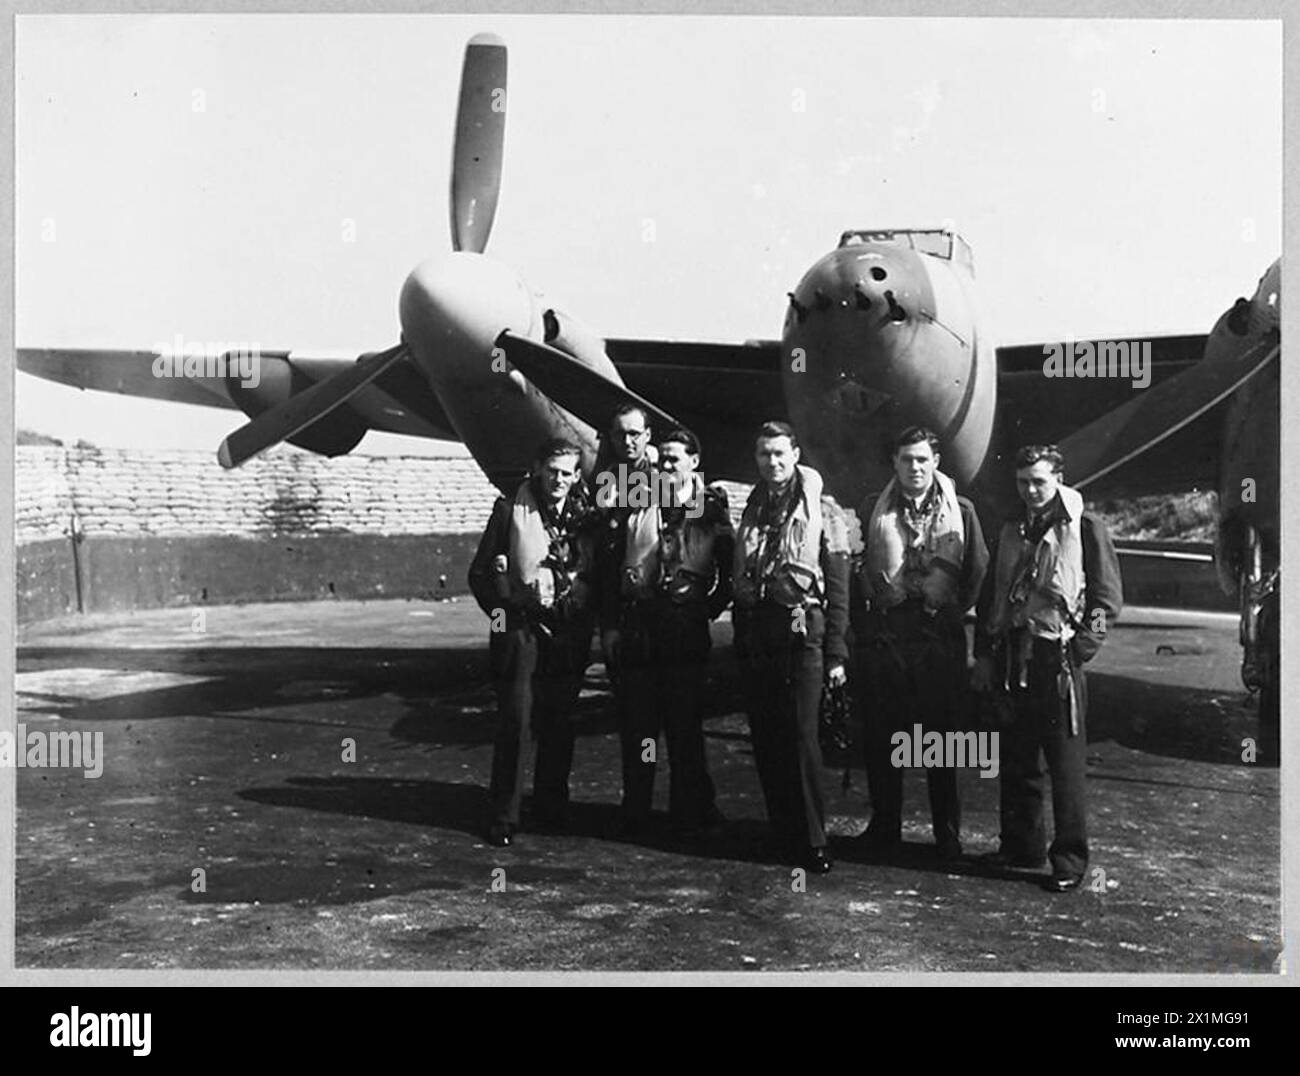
(450, 701)
(462, 807)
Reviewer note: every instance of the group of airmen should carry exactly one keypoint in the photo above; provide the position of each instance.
(812, 609)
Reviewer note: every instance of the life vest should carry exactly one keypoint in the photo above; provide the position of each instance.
(789, 573)
(939, 548)
(1049, 575)
(544, 559)
(655, 558)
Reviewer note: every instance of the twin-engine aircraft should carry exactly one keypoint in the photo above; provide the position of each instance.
(882, 332)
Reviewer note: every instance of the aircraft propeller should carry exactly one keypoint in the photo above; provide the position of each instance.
(475, 185)
(480, 135)
(575, 386)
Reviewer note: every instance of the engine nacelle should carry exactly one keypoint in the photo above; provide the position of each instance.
(1250, 478)
(568, 334)
(335, 434)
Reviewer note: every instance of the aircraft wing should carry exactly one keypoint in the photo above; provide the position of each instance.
(399, 400)
(1175, 447)
(1130, 432)
(1036, 408)
(721, 392)
(128, 373)
(732, 383)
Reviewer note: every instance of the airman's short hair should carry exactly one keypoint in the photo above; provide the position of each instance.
(556, 446)
(775, 428)
(914, 435)
(682, 436)
(627, 409)
(1028, 455)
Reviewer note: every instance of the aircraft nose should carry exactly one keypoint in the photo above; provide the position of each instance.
(866, 354)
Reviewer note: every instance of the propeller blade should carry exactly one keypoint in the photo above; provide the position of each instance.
(300, 411)
(480, 133)
(1154, 414)
(574, 385)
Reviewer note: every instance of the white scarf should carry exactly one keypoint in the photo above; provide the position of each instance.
(800, 539)
(943, 539)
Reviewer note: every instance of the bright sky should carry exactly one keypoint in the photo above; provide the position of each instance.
(664, 177)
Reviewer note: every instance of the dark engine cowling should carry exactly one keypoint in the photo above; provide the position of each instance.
(568, 334)
(335, 434)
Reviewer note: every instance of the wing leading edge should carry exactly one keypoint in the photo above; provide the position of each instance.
(398, 401)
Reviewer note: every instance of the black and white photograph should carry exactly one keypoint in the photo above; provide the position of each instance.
(748, 495)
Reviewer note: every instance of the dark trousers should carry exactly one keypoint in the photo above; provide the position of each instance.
(912, 669)
(663, 657)
(537, 680)
(783, 672)
(1041, 730)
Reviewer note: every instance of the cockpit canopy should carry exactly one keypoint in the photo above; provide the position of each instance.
(940, 242)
